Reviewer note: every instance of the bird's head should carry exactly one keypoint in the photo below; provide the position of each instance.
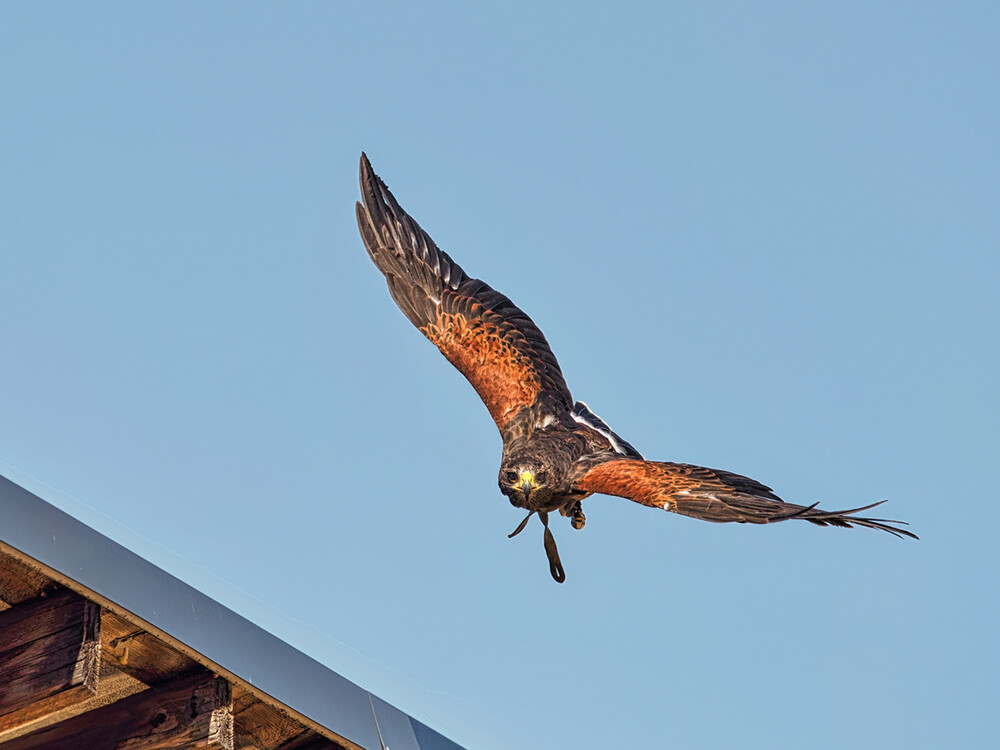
(531, 482)
(527, 483)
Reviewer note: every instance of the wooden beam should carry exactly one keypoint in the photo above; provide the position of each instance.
(191, 712)
(19, 581)
(140, 653)
(50, 656)
(109, 607)
(260, 727)
(115, 685)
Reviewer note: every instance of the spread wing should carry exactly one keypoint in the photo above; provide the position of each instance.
(712, 495)
(492, 342)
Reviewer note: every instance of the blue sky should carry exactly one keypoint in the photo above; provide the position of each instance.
(758, 239)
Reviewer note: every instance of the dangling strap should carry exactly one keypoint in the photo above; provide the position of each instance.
(555, 564)
(520, 526)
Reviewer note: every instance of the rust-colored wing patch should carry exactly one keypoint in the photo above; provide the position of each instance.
(712, 495)
(487, 337)
(484, 351)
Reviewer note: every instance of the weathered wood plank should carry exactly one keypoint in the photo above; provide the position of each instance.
(19, 581)
(191, 712)
(115, 685)
(136, 639)
(261, 727)
(140, 653)
(50, 655)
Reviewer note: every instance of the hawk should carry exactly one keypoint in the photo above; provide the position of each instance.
(556, 451)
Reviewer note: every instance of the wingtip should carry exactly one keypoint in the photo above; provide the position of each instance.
(371, 188)
(848, 518)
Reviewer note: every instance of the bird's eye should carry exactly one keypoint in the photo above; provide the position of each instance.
(540, 476)
(511, 476)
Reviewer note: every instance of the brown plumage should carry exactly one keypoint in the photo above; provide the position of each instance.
(495, 345)
(555, 452)
(712, 495)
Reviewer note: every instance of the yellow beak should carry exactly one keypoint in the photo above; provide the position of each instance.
(527, 483)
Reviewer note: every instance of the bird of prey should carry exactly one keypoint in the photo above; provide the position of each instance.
(556, 452)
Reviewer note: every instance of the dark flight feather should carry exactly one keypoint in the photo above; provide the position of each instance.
(713, 495)
(487, 337)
